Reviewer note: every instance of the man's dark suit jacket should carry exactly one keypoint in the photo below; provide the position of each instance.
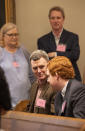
(47, 94)
(73, 104)
(47, 43)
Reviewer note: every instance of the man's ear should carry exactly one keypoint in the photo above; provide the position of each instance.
(57, 76)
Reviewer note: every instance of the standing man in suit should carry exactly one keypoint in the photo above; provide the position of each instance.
(41, 93)
(70, 97)
(59, 41)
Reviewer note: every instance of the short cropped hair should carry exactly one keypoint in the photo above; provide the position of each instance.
(56, 8)
(62, 66)
(37, 54)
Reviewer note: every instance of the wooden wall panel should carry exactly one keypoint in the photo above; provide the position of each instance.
(2, 12)
(7, 11)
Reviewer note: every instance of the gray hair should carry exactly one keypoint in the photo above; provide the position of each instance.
(37, 54)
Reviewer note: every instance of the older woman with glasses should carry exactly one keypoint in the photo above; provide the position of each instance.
(15, 62)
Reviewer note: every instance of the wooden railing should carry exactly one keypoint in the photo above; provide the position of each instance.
(21, 121)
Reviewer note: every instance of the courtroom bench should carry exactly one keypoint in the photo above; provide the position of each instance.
(22, 121)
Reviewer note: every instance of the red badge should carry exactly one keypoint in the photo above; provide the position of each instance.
(63, 106)
(61, 47)
(15, 64)
(40, 103)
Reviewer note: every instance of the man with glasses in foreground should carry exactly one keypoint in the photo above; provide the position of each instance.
(15, 62)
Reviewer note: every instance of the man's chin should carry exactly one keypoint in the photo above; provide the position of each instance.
(42, 78)
(56, 89)
(56, 28)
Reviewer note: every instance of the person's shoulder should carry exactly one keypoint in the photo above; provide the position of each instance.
(33, 86)
(77, 89)
(50, 89)
(70, 32)
(45, 36)
(1, 71)
(77, 84)
(25, 51)
(1, 49)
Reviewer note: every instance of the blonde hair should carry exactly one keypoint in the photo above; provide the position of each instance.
(61, 65)
(5, 28)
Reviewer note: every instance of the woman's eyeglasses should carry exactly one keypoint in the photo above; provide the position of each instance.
(13, 34)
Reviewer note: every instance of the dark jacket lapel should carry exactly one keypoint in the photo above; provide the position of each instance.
(52, 41)
(44, 89)
(65, 99)
(33, 95)
(63, 37)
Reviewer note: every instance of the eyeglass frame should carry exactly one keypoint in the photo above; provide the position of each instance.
(12, 34)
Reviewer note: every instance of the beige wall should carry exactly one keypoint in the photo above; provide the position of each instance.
(32, 21)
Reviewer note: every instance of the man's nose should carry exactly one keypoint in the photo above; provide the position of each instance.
(39, 70)
(56, 20)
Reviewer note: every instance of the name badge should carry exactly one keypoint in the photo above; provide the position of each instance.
(40, 103)
(63, 106)
(15, 64)
(61, 47)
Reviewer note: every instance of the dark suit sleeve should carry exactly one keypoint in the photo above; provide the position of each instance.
(40, 45)
(5, 99)
(52, 110)
(78, 103)
(72, 48)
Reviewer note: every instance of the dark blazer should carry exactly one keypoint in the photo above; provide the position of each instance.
(46, 94)
(47, 43)
(73, 104)
(5, 99)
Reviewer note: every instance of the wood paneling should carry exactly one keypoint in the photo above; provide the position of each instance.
(7, 11)
(2, 12)
(19, 121)
(10, 11)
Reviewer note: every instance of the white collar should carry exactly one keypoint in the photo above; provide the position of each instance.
(59, 34)
(64, 89)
